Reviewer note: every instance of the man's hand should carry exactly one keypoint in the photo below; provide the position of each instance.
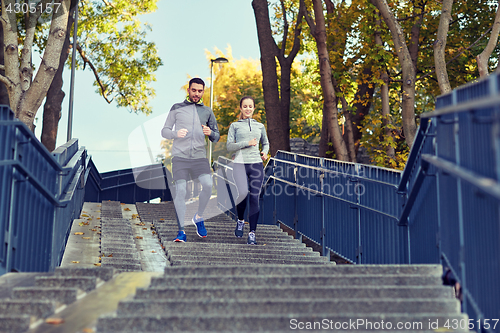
(252, 142)
(206, 130)
(264, 157)
(182, 133)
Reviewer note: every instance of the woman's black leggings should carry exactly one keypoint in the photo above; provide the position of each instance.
(248, 179)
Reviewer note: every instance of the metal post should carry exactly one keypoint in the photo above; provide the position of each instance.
(211, 106)
(72, 82)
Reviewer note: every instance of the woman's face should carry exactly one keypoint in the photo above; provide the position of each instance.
(247, 107)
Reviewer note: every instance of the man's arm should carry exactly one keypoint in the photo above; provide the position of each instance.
(167, 131)
(212, 123)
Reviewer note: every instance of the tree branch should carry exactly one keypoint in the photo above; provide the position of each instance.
(285, 29)
(5, 80)
(440, 47)
(107, 3)
(309, 20)
(482, 59)
(297, 32)
(96, 74)
(457, 55)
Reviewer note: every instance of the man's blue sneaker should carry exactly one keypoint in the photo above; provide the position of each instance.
(181, 237)
(238, 231)
(251, 239)
(200, 226)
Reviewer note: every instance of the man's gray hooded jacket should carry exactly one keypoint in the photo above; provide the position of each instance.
(190, 116)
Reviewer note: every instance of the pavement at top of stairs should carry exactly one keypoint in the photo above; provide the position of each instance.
(83, 247)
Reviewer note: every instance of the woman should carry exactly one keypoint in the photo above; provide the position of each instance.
(243, 138)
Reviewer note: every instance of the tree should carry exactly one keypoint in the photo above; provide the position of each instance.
(482, 59)
(25, 92)
(330, 111)
(277, 98)
(440, 47)
(112, 44)
(408, 70)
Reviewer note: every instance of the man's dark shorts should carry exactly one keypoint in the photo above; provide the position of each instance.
(187, 169)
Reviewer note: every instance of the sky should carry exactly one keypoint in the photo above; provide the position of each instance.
(182, 30)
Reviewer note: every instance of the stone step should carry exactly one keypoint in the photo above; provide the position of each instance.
(225, 228)
(119, 245)
(302, 306)
(244, 257)
(224, 223)
(245, 292)
(342, 270)
(58, 294)
(14, 323)
(242, 250)
(298, 280)
(102, 273)
(122, 255)
(35, 308)
(85, 283)
(272, 322)
(248, 262)
(122, 266)
(190, 246)
(115, 260)
(193, 237)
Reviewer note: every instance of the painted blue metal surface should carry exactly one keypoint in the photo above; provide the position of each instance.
(444, 208)
(130, 185)
(41, 193)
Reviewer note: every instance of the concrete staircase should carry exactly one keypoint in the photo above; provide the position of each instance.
(147, 283)
(282, 298)
(221, 284)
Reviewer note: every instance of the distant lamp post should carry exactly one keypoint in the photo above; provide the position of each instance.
(219, 60)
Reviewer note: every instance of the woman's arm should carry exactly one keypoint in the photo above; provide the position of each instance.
(264, 141)
(231, 144)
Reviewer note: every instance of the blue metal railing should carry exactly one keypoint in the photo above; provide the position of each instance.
(41, 193)
(444, 208)
(129, 185)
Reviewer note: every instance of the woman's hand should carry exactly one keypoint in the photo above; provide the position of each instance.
(264, 157)
(252, 142)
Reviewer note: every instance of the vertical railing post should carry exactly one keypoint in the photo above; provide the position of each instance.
(358, 202)
(273, 188)
(461, 254)
(296, 194)
(323, 226)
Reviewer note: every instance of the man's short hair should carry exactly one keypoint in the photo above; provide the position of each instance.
(196, 80)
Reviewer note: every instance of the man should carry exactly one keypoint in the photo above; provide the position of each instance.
(187, 124)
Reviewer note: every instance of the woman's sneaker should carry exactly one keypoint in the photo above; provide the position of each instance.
(200, 226)
(251, 238)
(181, 237)
(240, 225)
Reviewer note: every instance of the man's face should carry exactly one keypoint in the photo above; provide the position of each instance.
(195, 92)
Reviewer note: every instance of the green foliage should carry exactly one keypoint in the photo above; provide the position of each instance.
(114, 41)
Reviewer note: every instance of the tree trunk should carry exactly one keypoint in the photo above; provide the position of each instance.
(276, 99)
(408, 71)
(4, 95)
(415, 35)
(26, 95)
(325, 137)
(384, 92)
(364, 96)
(440, 47)
(55, 94)
(325, 70)
(482, 59)
(268, 52)
(348, 135)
